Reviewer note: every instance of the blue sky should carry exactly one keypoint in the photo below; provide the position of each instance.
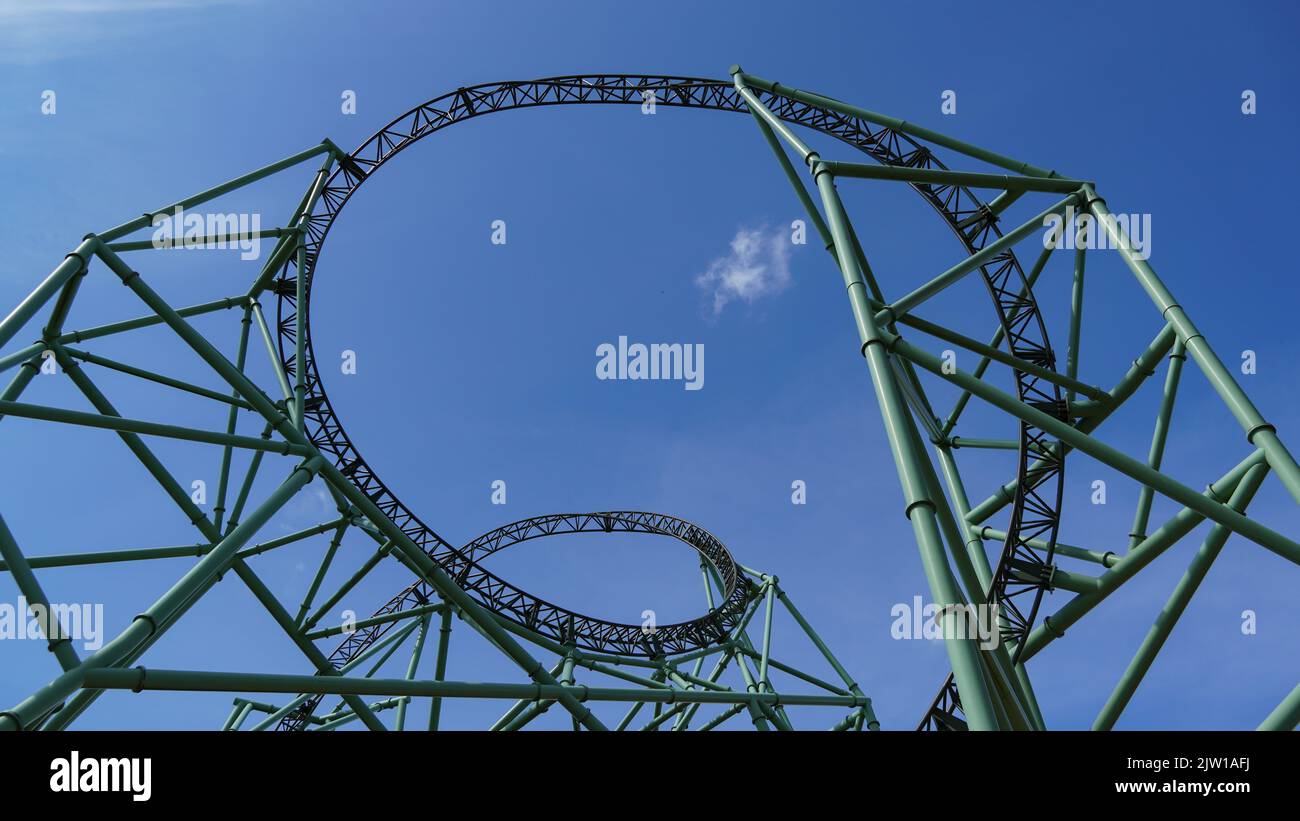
(476, 362)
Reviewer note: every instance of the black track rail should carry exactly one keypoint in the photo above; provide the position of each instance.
(1036, 504)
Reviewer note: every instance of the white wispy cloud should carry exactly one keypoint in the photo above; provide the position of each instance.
(758, 266)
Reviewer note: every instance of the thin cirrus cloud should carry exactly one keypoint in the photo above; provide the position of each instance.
(758, 266)
(39, 31)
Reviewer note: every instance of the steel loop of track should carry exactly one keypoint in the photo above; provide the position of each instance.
(1023, 570)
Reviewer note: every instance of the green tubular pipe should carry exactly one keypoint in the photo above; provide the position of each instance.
(1076, 321)
(400, 615)
(440, 666)
(1067, 380)
(170, 606)
(246, 488)
(834, 662)
(1106, 559)
(894, 123)
(212, 193)
(1177, 603)
(1286, 715)
(112, 556)
(1125, 464)
(1182, 523)
(788, 670)
(346, 587)
(386, 642)
(1259, 433)
(139, 426)
(349, 717)
(979, 560)
(726, 714)
(280, 254)
(1142, 368)
(122, 367)
(920, 509)
(263, 405)
(1158, 438)
(134, 444)
(72, 264)
(232, 418)
(22, 355)
(147, 553)
(767, 633)
(313, 654)
(965, 179)
(400, 723)
(276, 365)
(87, 334)
(756, 708)
(957, 442)
(198, 242)
(61, 645)
(321, 570)
(898, 308)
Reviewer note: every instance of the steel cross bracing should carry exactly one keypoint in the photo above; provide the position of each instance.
(1037, 490)
(1055, 414)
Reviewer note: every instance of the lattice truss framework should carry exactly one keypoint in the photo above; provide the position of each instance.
(1055, 414)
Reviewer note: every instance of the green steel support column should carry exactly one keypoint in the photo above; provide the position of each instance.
(1286, 715)
(726, 714)
(894, 123)
(506, 721)
(1076, 319)
(237, 714)
(399, 615)
(170, 606)
(348, 717)
(1182, 523)
(223, 482)
(130, 427)
(1173, 609)
(895, 310)
(752, 686)
(1143, 367)
(346, 587)
(1258, 432)
(428, 568)
(212, 193)
(141, 373)
(943, 176)
(848, 680)
(60, 645)
(440, 666)
(974, 546)
(1105, 559)
(72, 265)
(151, 553)
(1103, 453)
(400, 723)
(136, 446)
(313, 654)
(383, 645)
(962, 653)
(246, 488)
(769, 606)
(324, 567)
(1158, 439)
(140, 679)
(269, 342)
(87, 334)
